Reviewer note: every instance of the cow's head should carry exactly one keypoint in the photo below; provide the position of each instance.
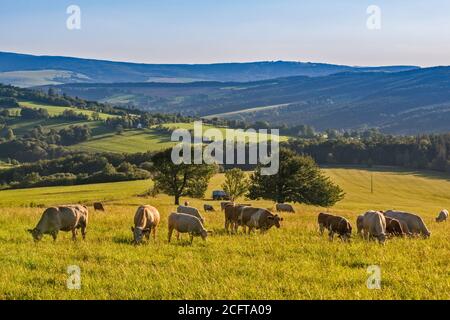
(204, 233)
(382, 238)
(138, 233)
(36, 233)
(274, 221)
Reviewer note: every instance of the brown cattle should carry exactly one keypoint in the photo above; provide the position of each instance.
(185, 223)
(258, 218)
(223, 205)
(208, 207)
(98, 206)
(394, 227)
(232, 214)
(284, 207)
(335, 224)
(146, 220)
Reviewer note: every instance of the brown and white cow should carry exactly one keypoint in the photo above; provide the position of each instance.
(258, 218)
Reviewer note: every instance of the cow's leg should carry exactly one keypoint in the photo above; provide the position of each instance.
(83, 231)
(250, 229)
(192, 238)
(321, 229)
(227, 223)
(54, 235)
(170, 234)
(74, 234)
(178, 236)
(154, 233)
(331, 235)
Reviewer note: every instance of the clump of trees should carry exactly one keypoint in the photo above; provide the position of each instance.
(298, 180)
(236, 183)
(428, 151)
(180, 180)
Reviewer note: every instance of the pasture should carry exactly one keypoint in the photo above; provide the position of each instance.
(293, 262)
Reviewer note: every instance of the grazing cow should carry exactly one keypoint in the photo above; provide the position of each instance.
(185, 223)
(225, 204)
(258, 218)
(186, 203)
(146, 221)
(360, 224)
(394, 227)
(62, 218)
(191, 211)
(415, 223)
(374, 225)
(98, 206)
(232, 214)
(284, 207)
(443, 216)
(208, 207)
(334, 224)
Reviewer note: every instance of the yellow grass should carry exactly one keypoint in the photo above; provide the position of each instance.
(293, 262)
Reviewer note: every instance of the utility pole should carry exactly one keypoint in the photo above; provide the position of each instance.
(371, 183)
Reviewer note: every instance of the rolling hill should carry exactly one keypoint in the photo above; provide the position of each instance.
(29, 70)
(406, 102)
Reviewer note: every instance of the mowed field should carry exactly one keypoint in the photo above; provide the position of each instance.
(293, 262)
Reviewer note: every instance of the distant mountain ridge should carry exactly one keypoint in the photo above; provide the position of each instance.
(405, 102)
(78, 70)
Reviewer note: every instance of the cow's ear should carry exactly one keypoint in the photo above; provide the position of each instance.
(132, 229)
(30, 230)
(271, 218)
(281, 219)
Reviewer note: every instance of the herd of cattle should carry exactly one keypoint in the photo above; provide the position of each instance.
(372, 225)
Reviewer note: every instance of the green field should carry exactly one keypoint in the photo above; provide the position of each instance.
(58, 110)
(293, 262)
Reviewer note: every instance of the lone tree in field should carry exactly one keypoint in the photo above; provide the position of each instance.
(180, 180)
(299, 180)
(236, 183)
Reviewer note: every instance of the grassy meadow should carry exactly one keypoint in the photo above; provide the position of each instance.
(293, 262)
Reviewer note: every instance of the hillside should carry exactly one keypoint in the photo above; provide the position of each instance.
(406, 102)
(29, 70)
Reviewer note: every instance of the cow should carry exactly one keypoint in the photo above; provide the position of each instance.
(374, 226)
(334, 224)
(186, 203)
(394, 227)
(98, 206)
(191, 211)
(258, 218)
(284, 207)
(62, 218)
(208, 207)
(146, 220)
(185, 223)
(223, 205)
(360, 224)
(415, 224)
(232, 214)
(443, 216)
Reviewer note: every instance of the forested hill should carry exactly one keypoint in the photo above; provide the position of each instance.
(409, 102)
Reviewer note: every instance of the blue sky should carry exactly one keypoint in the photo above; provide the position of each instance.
(205, 31)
